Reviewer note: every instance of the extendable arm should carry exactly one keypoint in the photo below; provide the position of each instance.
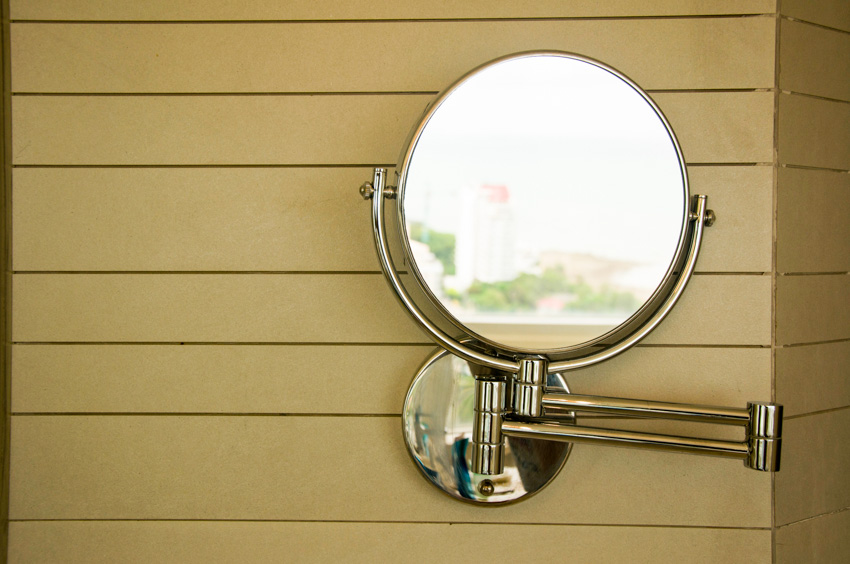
(759, 451)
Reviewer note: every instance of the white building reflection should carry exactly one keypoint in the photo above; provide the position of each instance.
(486, 241)
(429, 267)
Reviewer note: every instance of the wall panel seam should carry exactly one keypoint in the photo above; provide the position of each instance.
(835, 273)
(773, 252)
(244, 343)
(252, 344)
(309, 272)
(214, 272)
(814, 96)
(6, 283)
(453, 522)
(813, 24)
(350, 344)
(258, 93)
(360, 93)
(816, 413)
(324, 165)
(233, 165)
(401, 20)
(814, 168)
(342, 344)
(69, 413)
(192, 414)
(812, 518)
(814, 343)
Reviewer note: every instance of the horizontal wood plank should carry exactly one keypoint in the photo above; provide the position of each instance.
(328, 468)
(216, 307)
(308, 308)
(812, 309)
(814, 60)
(363, 129)
(813, 132)
(371, 9)
(352, 379)
(184, 543)
(262, 130)
(814, 479)
(283, 219)
(192, 219)
(831, 13)
(745, 303)
(376, 57)
(796, 370)
(811, 220)
(741, 238)
(214, 378)
(823, 539)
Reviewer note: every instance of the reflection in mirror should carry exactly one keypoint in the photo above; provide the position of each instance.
(437, 426)
(544, 201)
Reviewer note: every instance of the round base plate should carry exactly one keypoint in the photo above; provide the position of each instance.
(437, 427)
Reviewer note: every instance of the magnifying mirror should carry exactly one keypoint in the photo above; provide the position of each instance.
(544, 199)
(544, 217)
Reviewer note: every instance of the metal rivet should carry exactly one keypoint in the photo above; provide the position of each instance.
(486, 487)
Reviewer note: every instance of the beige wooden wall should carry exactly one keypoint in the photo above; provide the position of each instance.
(813, 287)
(207, 363)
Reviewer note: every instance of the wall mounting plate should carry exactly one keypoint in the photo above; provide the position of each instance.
(437, 425)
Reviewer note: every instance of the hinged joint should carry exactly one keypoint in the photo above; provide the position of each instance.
(367, 190)
(708, 220)
(488, 444)
(529, 386)
(764, 436)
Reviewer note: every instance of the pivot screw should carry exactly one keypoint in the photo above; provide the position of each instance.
(486, 487)
(709, 218)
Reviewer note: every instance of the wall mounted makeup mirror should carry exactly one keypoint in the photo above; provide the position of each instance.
(544, 222)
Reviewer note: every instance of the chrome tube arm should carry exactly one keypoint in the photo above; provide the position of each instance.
(700, 216)
(377, 194)
(760, 450)
(613, 437)
(643, 408)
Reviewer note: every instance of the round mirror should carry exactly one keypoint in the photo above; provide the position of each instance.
(545, 202)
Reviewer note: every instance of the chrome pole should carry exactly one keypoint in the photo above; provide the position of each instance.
(488, 445)
(614, 437)
(760, 451)
(641, 408)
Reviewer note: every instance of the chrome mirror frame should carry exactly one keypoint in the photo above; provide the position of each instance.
(639, 317)
(520, 406)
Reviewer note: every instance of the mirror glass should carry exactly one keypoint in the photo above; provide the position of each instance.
(544, 199)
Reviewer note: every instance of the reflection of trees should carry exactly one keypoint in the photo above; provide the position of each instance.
(549, 292)
(552, 290)
(441, 244)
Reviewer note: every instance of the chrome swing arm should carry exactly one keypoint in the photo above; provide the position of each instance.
(759, 451)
